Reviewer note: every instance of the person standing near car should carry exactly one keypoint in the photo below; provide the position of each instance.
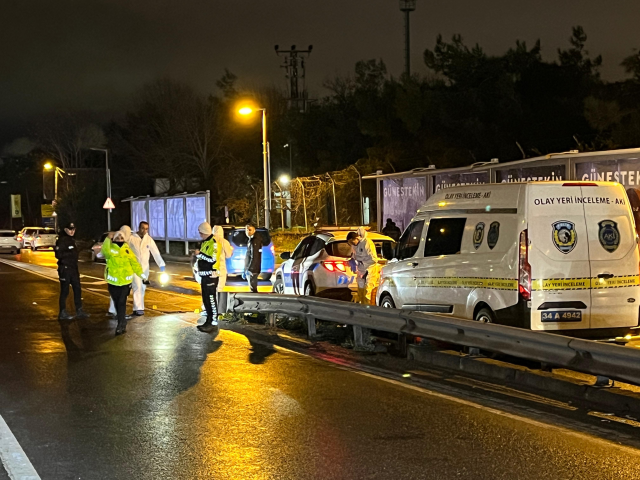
(209, 257)
(392, 230)
(368, 269)
(225, 251)
(66, 251)
(122, 265)
(143, 246)
(253, 260)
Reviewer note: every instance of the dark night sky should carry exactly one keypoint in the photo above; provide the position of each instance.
(93, 54)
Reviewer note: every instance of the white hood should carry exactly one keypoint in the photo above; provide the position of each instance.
(362, 232)
(218, 233)
(126, 232)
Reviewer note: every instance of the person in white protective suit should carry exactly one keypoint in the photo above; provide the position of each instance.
(227, 251)
(143, 247)
(367, 267)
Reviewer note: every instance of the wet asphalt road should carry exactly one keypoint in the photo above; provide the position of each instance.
(166, 401)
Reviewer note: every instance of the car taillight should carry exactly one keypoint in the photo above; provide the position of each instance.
(524, 269)
(335, 266)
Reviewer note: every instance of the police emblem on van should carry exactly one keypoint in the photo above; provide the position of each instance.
(564, 236)
(609, 235)
(493, 235)
(478, 235)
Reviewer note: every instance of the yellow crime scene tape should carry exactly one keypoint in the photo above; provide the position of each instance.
(584, 283)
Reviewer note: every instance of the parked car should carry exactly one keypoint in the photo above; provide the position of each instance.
(320, 265)
(9, 242)
(553, 256)
(96, 248)
(238, 240)
(25, 236)
(39, 238)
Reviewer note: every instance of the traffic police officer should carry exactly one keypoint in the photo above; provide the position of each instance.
(67, 254)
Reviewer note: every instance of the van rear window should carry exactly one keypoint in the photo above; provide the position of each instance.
(7, 234)
(444, 236)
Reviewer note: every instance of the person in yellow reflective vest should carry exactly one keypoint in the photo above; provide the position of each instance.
(122, 265)
(208, 256)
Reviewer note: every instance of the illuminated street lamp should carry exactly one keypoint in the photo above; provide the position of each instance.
(248, 110)
(58, 172)
(108, 172)
(284, 181)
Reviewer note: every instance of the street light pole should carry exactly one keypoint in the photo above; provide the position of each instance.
(267, 183)
(304, 205)
(288, 145)
(108, 172)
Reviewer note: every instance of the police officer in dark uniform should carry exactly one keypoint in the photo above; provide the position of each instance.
(67, 255)
(253, 260)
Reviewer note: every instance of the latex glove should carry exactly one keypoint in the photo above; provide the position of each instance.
(144, 277)
(244, 275)
(162, 268)
(352, 264)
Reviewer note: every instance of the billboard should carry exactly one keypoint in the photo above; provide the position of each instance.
(446, 180)
(625, 171)
(401, 199)
(539, 173)
(16, 207)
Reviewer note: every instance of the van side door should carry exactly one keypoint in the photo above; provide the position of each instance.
(438, 288)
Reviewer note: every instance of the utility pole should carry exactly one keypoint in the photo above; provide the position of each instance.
(407, 6)
(293, 62)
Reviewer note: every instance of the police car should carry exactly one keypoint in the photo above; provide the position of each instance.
(553, 256)
(320, 265)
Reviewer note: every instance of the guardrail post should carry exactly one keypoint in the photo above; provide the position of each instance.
(601, 381)
(358, 341)
(271, 319)
(311, 327)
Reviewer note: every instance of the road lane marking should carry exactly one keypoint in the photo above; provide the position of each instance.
(512, 392)
(15, 461)
(614, 418)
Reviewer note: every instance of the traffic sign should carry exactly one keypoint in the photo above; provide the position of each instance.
(109, 204)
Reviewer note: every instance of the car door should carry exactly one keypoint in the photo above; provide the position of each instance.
(291, 268)
(613, 256)
(403, 271)
(437, 275)
(310, 263)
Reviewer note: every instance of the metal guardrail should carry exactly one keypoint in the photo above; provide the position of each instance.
(586, 356)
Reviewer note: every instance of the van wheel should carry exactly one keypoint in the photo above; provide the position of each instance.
(309, 291)
(278, 287)
(485, 315)
(387, 302)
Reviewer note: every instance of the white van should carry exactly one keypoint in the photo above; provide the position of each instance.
(556, 256)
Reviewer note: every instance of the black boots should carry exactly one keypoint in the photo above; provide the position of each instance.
(64, 315)
(80, 313)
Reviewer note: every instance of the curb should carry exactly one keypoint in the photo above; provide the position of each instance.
(608, 398)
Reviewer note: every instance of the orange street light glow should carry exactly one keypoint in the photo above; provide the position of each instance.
(48, 166)
(245, 111)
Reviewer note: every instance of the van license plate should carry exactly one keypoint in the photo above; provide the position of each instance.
(566, 316)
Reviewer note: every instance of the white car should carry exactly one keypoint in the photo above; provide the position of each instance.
(43, 238)
(319, 266)
(9, 242)
(26, 235)
(96, 248)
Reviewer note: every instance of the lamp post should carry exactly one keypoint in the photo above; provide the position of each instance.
(281, 205)
(57, 172)
(304, 205)
(265, 159)
(288, 145)
(361, 199)
(106, 157)
(335, 207)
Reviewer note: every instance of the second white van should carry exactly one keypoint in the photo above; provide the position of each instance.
(554, 256)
